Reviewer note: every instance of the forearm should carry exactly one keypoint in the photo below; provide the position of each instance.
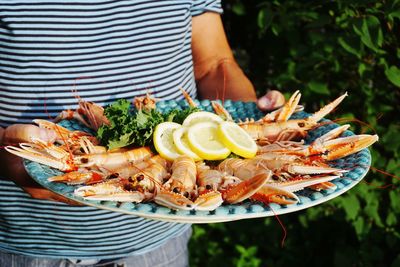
(225, 80)
(2, 130)
(217, 74)
(9, 164)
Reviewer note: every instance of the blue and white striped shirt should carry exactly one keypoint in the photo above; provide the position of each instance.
(52, 51)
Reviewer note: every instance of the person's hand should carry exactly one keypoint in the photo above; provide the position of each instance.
(271, 100)
(12, 167)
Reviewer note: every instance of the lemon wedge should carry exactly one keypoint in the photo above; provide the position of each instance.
(182, 144)
(201, 116)
(163, 140)
(237, 139)
(204, 141)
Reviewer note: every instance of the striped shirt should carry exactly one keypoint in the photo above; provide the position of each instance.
(52, 51)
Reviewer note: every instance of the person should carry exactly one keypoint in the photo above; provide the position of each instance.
(101, 50)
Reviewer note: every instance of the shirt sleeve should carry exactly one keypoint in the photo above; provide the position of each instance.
(201, 6)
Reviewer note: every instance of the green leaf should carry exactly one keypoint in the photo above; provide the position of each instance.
(349, 48)
(393, 166)
(276, 29)
(264, 18)
(351, 206)
(361, 69)
(395, 14)
(383, 63)
(393, 75)
(141, 118)
(198, 232)
(359, 226)
(372, 209)
(391, 219)
(369, 29)
(239, 9)
(319, 88)
(396, 262)
(247, 256)
(391, 139)
(124, 140)
(394, 201)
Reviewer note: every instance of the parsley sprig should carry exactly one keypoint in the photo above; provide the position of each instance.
(129, 126)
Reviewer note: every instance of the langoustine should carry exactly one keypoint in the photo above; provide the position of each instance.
(281, 168)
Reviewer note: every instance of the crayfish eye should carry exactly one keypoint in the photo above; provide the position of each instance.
(140, 177)
(208, 187)
(176, 190)
(129, 187)
(113, 175)
(186, 194)
(301, 124)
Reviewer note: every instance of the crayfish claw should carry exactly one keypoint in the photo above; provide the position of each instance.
(112, 190)
(77, 177)
(344, 146)
(289, 108)
(208, 201)
(274, 194)
(327, 109)
(324, 186)
(173, 200)
(246, 189)
(34, 153)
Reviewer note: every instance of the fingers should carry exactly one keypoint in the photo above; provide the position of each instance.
(18, 133)
(2, 130)
(42, 193)
(271, 100)
(15, 171)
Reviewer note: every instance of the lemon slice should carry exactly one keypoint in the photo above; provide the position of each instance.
(163, 140)
(182, 144)
(237, 139)
(201, 116)
(204, 141)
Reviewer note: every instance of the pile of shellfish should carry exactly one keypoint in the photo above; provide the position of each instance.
(284, 163)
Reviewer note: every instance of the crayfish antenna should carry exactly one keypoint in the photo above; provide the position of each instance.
(221, 111)
(189, 100)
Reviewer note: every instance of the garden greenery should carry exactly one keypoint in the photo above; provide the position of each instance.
(322, 48)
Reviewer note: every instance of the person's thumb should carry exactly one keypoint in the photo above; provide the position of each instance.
(271, 100)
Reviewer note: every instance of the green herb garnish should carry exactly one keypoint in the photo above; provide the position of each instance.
(134, 127)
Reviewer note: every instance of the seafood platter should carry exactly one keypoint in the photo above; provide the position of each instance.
(197, 161)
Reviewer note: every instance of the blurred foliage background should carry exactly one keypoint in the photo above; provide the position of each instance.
(323, 48)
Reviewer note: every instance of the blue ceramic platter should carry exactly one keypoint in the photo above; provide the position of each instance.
(358, 164)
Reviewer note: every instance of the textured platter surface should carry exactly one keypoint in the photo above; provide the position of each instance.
(357, 165)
